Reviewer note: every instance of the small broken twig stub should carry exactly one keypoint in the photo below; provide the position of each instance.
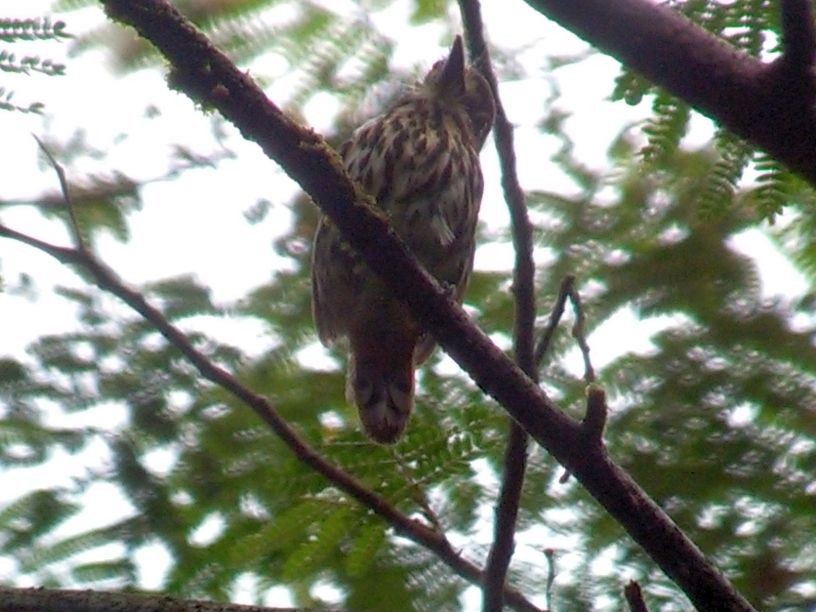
(596, 412)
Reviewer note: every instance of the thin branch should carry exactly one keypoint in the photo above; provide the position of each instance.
(417, 493)
(409, 528)
(596, 410)
(564, 291)
(798, 37)
(550, 554)
(65, 255)
(567, 291)
(579, 332)
(765, 103)
(515, 453)
(96, 187)
(505, 516)
(66, 194)
(595, 416)
(208, 77)
(634, 598)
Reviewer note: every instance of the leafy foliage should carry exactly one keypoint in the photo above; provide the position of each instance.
(31, 29)
(17, 30)
(754, 28)
(716, 420)
(699, 419)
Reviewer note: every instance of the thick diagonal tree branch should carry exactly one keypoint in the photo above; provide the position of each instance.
(768, 104)
(211, 79)
(515, 452)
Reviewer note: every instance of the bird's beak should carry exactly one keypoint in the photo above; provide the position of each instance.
(453, 74)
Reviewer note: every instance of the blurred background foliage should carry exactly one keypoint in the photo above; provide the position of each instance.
(16, 63)
(717, 420)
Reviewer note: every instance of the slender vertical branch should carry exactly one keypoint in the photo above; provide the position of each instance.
(798, 37)
(564, 291)
(515, 453)
(76, 233)
(506, 515)
(550, 554)
(634, 598)
(596, 408)
(579, 333)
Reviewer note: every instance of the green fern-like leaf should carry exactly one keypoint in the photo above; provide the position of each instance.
(63, 549)
(289, 527)
(772, 192)
(309, 557)
(33, 516)
(22, 30)
(720, 183)
(12, 30)
(630, 87)
(362, 551)
(9, 62)
(121, 571)
(748, 26)
(665, 129)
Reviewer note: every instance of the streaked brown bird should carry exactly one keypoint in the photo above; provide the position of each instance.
(420, 160)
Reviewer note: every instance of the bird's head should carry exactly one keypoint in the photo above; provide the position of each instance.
(453, 82)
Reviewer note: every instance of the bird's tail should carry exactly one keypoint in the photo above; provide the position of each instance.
(381, 385)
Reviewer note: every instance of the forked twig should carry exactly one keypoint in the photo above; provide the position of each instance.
(66, 195)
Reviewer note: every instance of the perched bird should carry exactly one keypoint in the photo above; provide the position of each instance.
(420, 161)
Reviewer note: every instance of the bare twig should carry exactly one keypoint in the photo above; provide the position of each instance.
(545, 342)
(205, 74)
(550, 554)
(417, 493)
(515, 453)
(579, 333)
(595, 415)
(596, 409)
(634, 598)
(567, 291)
(505, 515)
(564, 291)
(66, 194)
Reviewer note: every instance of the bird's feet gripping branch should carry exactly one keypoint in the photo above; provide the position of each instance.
(420, 161)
